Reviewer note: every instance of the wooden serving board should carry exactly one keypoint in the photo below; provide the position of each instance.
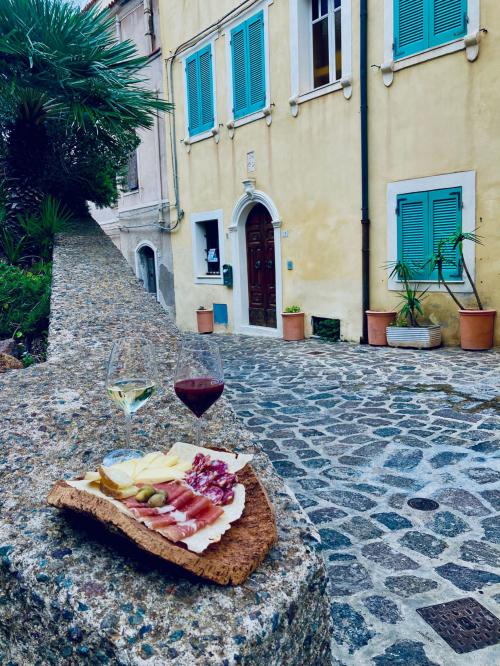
(229, 562)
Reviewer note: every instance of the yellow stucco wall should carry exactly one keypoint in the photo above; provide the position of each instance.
(437, 117)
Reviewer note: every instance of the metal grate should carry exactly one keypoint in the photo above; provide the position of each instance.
(464, 624)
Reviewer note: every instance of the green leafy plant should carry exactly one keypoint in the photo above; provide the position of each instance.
(438, 260)
(40, 229)
(13, 249)
(411, 296)
(292, 309)
(24, 301)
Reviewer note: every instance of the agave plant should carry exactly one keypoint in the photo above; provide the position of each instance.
(438, 260)
(66, 83)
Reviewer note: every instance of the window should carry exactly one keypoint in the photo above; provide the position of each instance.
(326, 41)
(132, 183)
(424, 219)
(320, 49)
(199, 91)
(248, 66)
(424, 24)
(420, 212)
(207, 247)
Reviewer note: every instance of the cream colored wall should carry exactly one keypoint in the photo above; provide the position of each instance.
(437, 117)
(299, 165)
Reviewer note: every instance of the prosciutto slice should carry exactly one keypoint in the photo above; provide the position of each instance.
(184, 514)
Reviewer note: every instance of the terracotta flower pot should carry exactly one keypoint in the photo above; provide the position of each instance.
(377, 323)
(293, 325)
(205, 320)
(476, 329)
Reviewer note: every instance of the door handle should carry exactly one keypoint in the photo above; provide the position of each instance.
(270, 263)
(257, 264)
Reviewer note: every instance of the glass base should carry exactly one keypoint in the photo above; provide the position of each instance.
(120, 455)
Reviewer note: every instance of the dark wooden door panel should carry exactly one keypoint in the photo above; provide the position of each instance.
(261, 268)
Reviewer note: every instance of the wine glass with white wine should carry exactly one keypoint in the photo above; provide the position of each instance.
(131, 380)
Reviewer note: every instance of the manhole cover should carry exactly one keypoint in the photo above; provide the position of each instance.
(423, 504)
(464, 624)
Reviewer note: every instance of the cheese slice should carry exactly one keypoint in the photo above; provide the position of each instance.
(234, 461)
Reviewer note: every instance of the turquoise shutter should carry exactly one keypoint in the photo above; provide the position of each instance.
(413, 233)
(206, 95)
(239, 61)
(256, 63)
(410, 32)
(192, 94)
(445, 215)
(199, 87)
(447, 21)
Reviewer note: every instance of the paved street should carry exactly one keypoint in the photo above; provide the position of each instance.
(359, 431)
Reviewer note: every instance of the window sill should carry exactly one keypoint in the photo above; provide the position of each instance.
(208, 279)
(130, 193)
(319, 92)
(456, 286)
(252, 117)
(468, 43)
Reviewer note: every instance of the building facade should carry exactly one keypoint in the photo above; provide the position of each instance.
(139, 224)
(265, 155)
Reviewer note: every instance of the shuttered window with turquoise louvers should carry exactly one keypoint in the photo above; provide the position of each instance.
(425, 218)
(249, 68)
(423, 24)
(199, 89)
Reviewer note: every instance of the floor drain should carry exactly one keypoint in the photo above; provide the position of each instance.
(423, 504)
(464, 624)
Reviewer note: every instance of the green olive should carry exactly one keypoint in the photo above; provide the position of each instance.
(145, 493)
(157, 500)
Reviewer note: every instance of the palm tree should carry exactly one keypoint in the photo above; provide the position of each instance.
(66, 83)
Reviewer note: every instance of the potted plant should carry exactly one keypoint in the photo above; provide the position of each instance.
(293, 323)
(409, 330)
(378, 321)
(476, 325)
(205, 319)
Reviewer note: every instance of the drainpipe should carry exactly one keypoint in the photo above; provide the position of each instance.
(148, 23)
(365, 218)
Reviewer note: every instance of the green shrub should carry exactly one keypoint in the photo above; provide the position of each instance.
(40, 229)
(292, 309)
(24, 301)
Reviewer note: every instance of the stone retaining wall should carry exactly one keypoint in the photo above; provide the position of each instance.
(70, 592)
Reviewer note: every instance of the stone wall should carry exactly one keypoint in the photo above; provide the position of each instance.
(72, 593)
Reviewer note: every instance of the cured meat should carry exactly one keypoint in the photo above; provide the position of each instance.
(183, 515)
(211, 478)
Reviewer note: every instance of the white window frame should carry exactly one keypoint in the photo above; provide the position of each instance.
(469, 43)
(301, 54)
(464, 179)
(207, 216)
(266, 111)
(152, 246)
(210, 40)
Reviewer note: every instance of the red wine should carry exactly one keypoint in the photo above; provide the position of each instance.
(199, 393)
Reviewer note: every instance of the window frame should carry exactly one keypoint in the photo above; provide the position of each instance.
(265, 111)
(469, 42)
(196, 219)
(200, 46)
(301, 55)
(464, 179)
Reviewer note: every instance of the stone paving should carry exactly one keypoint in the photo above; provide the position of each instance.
(356, 432)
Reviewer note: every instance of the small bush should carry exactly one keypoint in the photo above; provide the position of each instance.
(292, 309)
(24, 301)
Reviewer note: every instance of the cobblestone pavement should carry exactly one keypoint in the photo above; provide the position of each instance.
(356, 432)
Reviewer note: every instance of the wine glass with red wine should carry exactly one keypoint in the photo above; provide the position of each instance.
(199, 379)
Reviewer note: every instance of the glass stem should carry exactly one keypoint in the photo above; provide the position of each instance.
(128, 429)
(198, 431)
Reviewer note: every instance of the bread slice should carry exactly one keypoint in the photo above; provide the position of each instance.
(118, 493)
(115, 478)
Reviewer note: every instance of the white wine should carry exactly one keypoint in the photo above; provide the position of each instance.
(131, 394)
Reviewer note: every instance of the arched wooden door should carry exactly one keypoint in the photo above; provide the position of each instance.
(261, 268)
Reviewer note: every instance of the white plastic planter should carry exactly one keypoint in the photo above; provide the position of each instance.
(423, 337)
